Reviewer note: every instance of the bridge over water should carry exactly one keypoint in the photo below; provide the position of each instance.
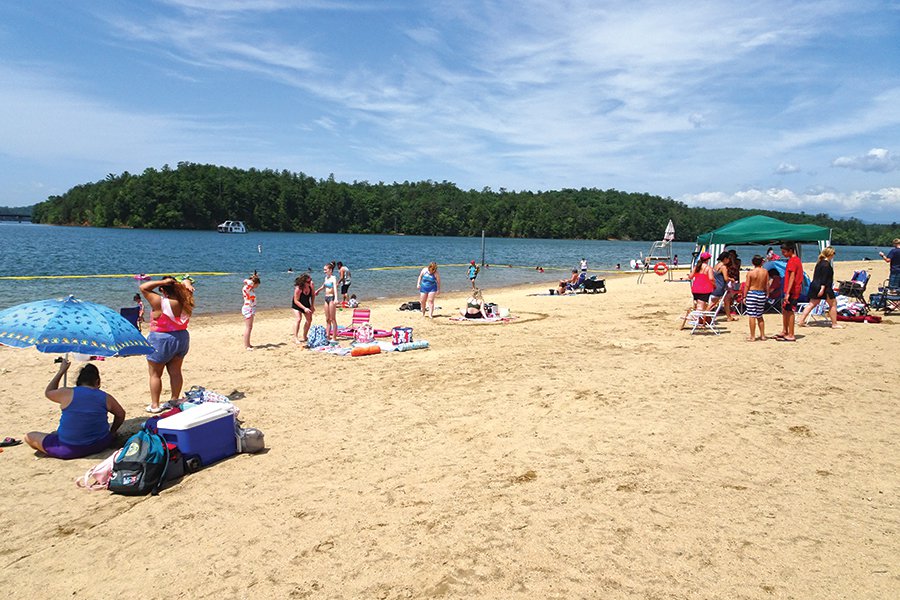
(16, 218)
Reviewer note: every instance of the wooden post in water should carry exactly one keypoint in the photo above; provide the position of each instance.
(482, 247)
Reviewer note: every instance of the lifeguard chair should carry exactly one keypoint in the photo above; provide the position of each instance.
(659, 258)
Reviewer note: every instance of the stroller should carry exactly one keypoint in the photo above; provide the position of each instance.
(594, 285)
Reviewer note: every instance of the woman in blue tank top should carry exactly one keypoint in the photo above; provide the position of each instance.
(83, 426)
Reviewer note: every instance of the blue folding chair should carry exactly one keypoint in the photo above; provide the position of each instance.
(132, 314)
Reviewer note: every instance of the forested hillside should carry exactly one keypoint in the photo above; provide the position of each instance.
(194, 196)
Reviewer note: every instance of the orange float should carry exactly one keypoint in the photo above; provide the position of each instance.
(365, 350)
(660, 268)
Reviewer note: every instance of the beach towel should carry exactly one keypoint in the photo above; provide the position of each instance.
(489, 320)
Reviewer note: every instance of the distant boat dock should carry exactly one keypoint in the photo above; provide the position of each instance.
(16, 218)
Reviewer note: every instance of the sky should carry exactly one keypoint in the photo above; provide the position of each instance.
(759, 104)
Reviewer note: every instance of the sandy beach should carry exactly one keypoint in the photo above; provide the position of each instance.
(587, 449)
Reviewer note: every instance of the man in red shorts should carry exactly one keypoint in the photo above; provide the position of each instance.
(793, 284)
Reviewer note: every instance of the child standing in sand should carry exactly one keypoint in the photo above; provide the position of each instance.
(473, 273)
(755, 300)
(140, 305)
(248, 310)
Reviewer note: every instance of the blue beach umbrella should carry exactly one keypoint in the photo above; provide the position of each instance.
(71, 325)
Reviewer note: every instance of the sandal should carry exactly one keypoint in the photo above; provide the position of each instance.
(8, 441)
(153, 410)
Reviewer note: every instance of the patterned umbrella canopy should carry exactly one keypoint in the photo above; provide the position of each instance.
(71, 325)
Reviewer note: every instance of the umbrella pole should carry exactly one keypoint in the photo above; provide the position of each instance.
(66, 374)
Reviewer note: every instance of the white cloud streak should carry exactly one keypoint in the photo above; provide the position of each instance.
(876, 159)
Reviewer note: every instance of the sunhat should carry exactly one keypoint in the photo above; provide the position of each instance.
(705, 256)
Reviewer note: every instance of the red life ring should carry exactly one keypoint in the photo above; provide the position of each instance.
(660, 268)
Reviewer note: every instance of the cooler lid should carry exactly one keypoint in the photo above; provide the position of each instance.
(192, 417)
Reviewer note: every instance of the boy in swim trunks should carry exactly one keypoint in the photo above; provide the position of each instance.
(755, 300)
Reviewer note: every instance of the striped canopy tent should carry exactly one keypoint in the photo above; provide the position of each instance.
(761, 230)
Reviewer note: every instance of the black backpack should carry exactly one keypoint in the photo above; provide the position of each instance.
(140, 467)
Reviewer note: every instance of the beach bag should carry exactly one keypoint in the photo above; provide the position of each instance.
(252, 440)
(316, 337)
(415, 305)
(97, 477)
(140, 466)
(364, 334)
(401, 335)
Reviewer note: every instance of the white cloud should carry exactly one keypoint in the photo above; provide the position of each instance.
(845, 204)
(786, 169)
(876, 159)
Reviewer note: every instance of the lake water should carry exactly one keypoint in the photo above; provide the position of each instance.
(381, 265)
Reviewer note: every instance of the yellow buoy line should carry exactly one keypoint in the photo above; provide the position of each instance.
(491, 266)
(105, 276)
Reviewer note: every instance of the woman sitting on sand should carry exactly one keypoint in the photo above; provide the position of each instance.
(474, 307)
(83, 427)
(565, 283)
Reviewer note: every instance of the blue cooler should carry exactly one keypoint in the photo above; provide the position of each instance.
(206, 431)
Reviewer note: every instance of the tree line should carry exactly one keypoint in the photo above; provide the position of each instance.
(196, 196)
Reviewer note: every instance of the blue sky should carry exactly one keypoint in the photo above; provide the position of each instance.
(759, 104)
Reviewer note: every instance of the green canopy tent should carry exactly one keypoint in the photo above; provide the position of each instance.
(761, 230)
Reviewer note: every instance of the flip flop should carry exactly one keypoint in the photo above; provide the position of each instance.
(153, 411)
(8, 441)
(784, 339)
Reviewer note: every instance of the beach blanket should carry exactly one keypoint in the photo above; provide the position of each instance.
(489, 320)
(569, 293)
(385, 347)
(860, 318)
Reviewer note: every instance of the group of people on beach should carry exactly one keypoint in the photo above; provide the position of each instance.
(84, 426)
(303, 301)
(763, 288)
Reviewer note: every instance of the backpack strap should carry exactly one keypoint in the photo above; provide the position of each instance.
(162, 476)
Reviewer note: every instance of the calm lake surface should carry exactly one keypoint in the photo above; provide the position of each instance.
(381, 265)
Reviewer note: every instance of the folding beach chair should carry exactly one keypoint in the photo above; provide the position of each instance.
(578, 285)
(132, 314)
(737, 302)
(704, 320)
(855, 287)
(360, 316)
(819, 313)
(890, 298)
